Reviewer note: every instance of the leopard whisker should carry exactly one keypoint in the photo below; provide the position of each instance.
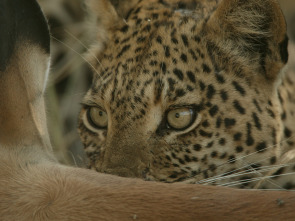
(81, 43)
(236, 183)
(66, 45)
(229, 172)
(242, 173)
(242, 158)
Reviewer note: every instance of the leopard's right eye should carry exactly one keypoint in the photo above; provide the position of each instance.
(97, 117)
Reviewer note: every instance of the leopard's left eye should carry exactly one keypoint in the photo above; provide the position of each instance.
(97, 117)
(181, 118)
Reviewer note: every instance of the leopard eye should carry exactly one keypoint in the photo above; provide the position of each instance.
(97, 117)
(181, 118)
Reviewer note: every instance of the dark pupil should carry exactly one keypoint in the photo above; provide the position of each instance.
(100, 113)
(177, 115)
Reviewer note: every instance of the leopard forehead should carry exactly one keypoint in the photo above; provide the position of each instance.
(161, 58)
(142, 50)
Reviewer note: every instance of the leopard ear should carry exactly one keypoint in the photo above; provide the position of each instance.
(124, 7)
(249, 34)
(105, 16)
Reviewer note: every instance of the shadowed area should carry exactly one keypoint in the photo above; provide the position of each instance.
(21, 20)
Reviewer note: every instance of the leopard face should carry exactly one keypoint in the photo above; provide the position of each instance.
(186, 90)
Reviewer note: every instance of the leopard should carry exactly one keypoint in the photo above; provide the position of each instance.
(193, 91)
(34, 185)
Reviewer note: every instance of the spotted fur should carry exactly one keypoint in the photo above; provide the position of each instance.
(223, 60)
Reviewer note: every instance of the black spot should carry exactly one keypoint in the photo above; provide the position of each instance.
(180, 93)
(189, 88)
(183, 57)
(137, 99)
(212, 167)
(257, 105)
(197, 147)
(168, 158)
(174, 40)
(218, 122)
(185, 40)
(163, 67)
(229, 122)
(270, 112)
(138, 21)
(195, 159)
(159, 39)
(202, 85)
(167, 51)
(173, 155)
(205, 134)
(283, 116)
(193, 54)
(137, 10)
(178, 73)
(222, 141)
(124, 28)
(173, 176)
(238, 107)
(171, 83)
(287, 132)
(197, 39)
(142, 111)
(191, 76)
(250, 140)
(155, 53)
(213, 111)
(237, 136)
(206, 68)
(256, 121)
(205, 174)
(147, 28)
(279, 171)
(210, 144)
(124, 49)
(261, 147)
(289, 186)
(220, 79)
(117, 41)
(210, 91)
(223, 95)
(205, 123)
(138, 49)
(140, 39)
(153, 62)
(239, 88)
(273, 160)
(231, 159)
(209, 104)
(155, 15)
(187, 158)
(239, 149)
(181, 161)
